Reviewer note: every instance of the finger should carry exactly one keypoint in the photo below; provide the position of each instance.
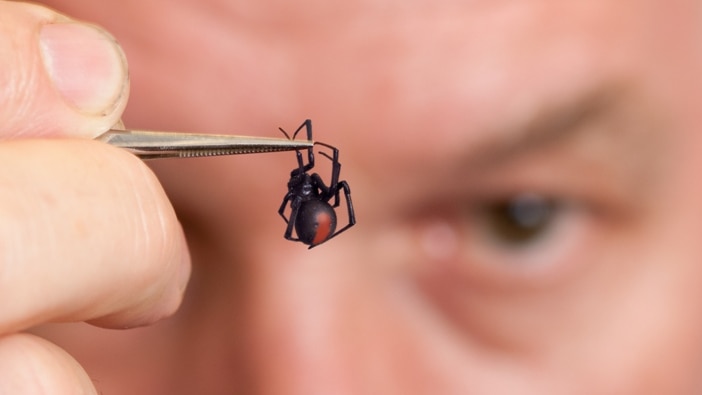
(32, 365)
(86, 233)
(57, 76)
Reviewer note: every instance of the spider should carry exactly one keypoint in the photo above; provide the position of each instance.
(312, 216)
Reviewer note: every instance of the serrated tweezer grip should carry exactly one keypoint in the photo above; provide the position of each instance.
(153, 145)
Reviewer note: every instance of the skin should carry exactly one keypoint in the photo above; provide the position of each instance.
(439, 111)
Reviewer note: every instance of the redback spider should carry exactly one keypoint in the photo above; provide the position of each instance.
(312, 216)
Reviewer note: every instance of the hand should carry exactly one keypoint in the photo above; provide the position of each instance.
(86, 231)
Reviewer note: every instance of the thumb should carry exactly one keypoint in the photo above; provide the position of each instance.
(58, 77)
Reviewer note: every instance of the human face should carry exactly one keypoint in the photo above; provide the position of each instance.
(449, 117)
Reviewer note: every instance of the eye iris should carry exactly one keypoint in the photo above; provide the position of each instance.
(520, 220)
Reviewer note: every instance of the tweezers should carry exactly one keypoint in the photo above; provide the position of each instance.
(153, 145)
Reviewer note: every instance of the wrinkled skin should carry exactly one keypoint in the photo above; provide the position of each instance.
(424, 101)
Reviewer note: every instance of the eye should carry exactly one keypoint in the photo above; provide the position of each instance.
(526, 230)
(519, 220)
(510, 239)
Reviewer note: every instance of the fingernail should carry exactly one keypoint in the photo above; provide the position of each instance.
(86, 65)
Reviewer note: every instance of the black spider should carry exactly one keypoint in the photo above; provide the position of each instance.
(312, 216)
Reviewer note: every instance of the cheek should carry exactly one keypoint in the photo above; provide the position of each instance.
(624, 318)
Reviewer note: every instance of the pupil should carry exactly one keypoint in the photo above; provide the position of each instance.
(521, 219)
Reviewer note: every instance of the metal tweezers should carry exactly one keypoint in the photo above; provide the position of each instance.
(153, 145)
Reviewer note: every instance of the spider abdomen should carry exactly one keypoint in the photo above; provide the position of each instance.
(316, 222)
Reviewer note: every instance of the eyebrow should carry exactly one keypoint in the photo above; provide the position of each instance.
(550, 125)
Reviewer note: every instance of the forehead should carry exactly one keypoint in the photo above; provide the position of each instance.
(519, 50)
(467, 69)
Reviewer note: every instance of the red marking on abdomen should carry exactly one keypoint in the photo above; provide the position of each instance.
(324, 224)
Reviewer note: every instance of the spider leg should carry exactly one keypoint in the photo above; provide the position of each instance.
(308, 125)
(310, 153)
(281, 211)
(336, 170)
(295, 206)
(325, 191)
(302, 167)
(343, 185)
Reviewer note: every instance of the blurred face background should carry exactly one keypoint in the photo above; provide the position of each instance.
(525, 176)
